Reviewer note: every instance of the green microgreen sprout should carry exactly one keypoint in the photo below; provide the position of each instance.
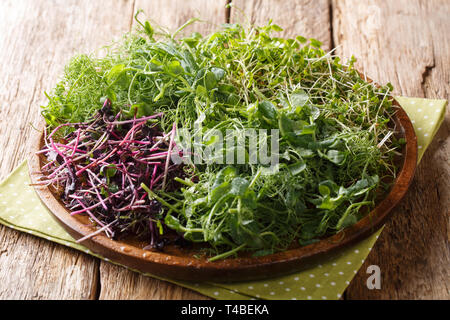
(336, 143)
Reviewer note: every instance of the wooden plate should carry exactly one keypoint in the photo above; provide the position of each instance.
(180, 264)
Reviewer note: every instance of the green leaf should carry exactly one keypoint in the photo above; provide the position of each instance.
(327, 204)
(173, 223)
(314, 112)
(287, 126)
(298, 98)
(115, 73)
(233, 99)
(308, 231)
(239, 186)
(268, 111)
(218, 192)
(296, 132)
(226, 88)
(210, 81)
(297, 167)
(336, 156)
(334, 188)
(306, 129)
(301, 39)
(249, 199)
(348, 221)
(219, 73)
(276, 28)
(225, 174)
(245, 232)
(305, 153)
(363, 185)
(315, 43)
(294, 200)
(174, 67)
(324, 190)
(188, 62)
(148, 30)
(201, 91)
(270, 170)
(111, 172)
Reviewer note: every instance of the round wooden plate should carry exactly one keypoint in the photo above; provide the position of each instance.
(180, 264)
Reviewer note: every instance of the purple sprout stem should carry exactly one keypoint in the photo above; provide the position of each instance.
(153, 177)
(172, 137)
(85, 209)
(62, 126)
(76, 143)
(134, 120)
(74, 149)
(97, 193)
(97, 232)
(94, 218)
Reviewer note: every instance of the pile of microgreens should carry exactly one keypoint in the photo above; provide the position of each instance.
(102, 166)
(336, 147)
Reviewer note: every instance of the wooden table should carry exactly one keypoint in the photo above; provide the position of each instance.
(404, 42)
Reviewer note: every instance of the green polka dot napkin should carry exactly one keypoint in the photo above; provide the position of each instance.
(21, 209)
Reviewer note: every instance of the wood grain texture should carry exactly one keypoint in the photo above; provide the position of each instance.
(174, 13)
(407, 43)
(308, 18)
(38, 269)
(36, 40)
(117, 282)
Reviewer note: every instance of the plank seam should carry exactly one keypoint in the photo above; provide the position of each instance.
(330, 12)
(133, 8)
(426, 74)
(228, 11)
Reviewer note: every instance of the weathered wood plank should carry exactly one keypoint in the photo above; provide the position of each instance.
(36, 40)
(308, 18)
(39, 269)
(173, 14)
(116, 282)
(406, 43)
